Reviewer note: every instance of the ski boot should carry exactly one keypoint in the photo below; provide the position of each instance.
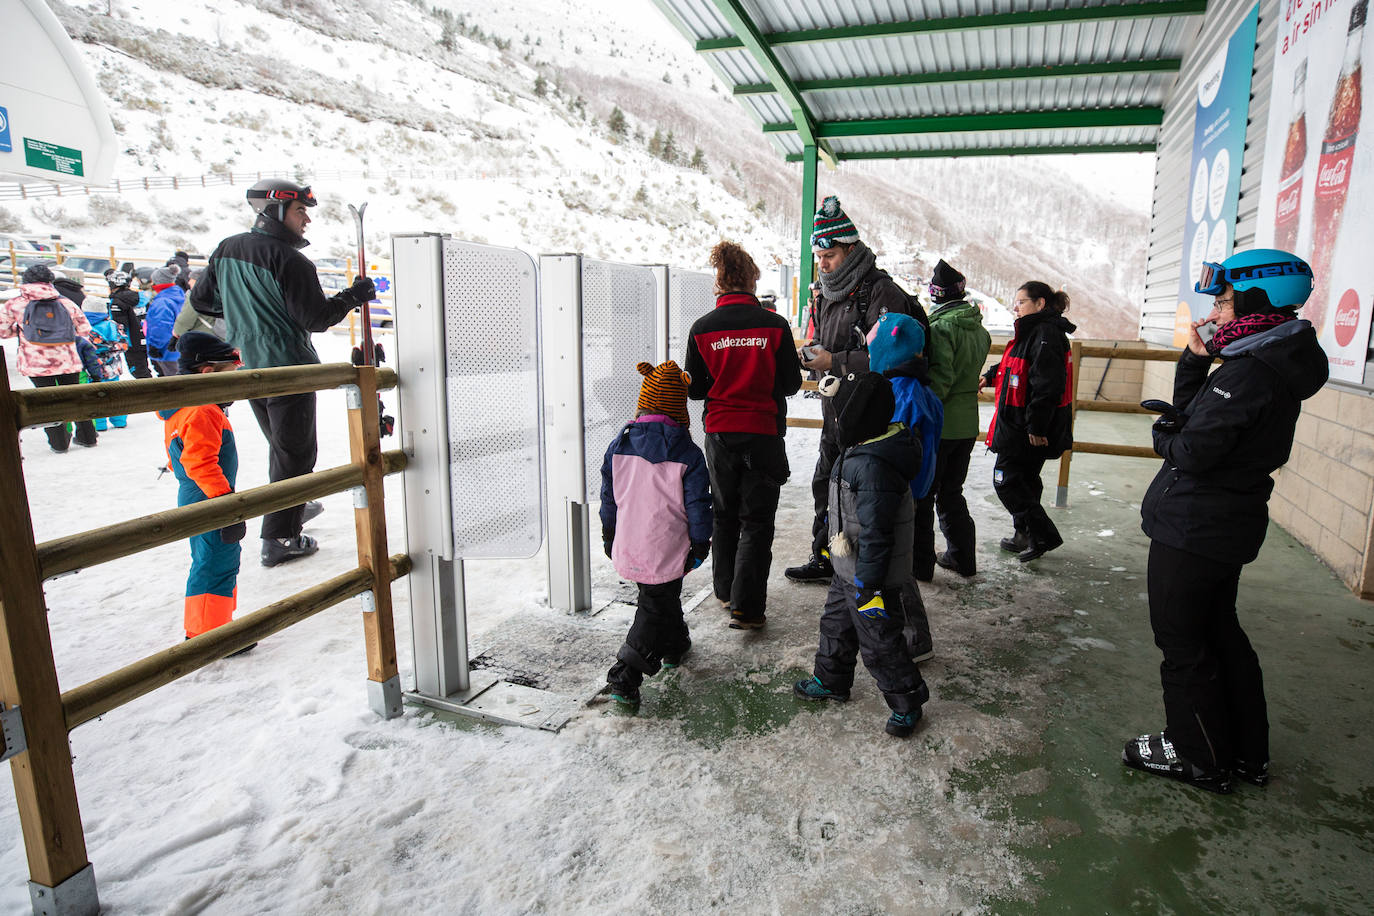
(1155, 754)
(283, 550)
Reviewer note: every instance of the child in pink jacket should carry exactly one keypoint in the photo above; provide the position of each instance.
(655, 524)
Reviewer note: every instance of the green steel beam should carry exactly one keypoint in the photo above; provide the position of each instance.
(1108, 68)
(1009, 120)
(1152, 9)
(806, 273)
(986, 151)
(749, 36)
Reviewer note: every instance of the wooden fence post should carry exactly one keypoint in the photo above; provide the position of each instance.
(61, 880)
(1061, 495)
(369, 516)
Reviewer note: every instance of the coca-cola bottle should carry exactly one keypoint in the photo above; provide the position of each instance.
(1289, 206)
(1333, 168)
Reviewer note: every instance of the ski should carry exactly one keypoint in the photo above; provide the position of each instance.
(369, 358)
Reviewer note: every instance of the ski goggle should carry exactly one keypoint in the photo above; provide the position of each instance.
(1214, 277)
(303, 195)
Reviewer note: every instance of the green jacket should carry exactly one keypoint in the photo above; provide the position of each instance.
(269, 295)
(957, 349)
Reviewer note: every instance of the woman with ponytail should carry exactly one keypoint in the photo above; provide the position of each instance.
(1032, 422)
(743, 363)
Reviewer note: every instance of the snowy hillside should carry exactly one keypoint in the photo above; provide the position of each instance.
(543, 124)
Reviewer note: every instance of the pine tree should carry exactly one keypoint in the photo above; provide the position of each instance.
(642, 195)
(616, 122)
(670, 151)
(656, 143)
(541, 86)
(698, 160)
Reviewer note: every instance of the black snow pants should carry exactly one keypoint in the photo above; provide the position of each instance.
(1017, 482)
(886, 650)
(747, 472)
(658, 630)
(288, 424)
(1214, 703)
(947, 497)
(60, 436)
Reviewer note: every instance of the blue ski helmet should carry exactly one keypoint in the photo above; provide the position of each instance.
(1285, 278)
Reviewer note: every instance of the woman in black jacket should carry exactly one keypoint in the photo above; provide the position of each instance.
(1206, 514)
(1032, 423)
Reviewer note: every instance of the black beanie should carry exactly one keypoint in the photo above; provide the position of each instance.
(946, 283)
(196, 348)
(37, 273)
(864, 405)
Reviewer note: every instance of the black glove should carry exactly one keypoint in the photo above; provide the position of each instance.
(377, 355)
(361, 291)
(607, 539)
(232, 534)
(697, 555)
(172, 343)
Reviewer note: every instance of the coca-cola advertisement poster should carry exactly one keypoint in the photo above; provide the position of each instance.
(1223, 107)
(1317, 183)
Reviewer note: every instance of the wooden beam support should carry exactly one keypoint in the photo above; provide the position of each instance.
(364, 443)
(44, 785)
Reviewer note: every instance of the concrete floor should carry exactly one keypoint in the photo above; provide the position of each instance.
(1083, 677)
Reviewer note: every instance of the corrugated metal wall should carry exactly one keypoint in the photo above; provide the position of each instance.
(1165, 253)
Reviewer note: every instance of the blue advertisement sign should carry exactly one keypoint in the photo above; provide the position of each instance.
(6, 145)
(1209, 226)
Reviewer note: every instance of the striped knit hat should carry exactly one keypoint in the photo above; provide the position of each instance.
(664, 391)
(831, 227)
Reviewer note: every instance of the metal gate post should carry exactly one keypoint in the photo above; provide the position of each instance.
(1061, 494)
(569, 547)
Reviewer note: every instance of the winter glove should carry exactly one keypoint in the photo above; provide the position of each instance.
(697, 555)
(361, 291)
(870, 601)
(172, 343)
(377, 353)
(232, 534)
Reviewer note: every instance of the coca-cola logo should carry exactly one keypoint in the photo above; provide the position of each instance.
(1347, 317)
(1288, 203)
(1332, 175)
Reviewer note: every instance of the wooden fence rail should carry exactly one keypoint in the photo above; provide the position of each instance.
(45, 786)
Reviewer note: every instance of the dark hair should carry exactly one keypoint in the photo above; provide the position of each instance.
(735, 270)
(1056, 300)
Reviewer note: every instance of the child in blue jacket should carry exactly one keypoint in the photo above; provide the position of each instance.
(202, 453)
(110, 342)
(163, 309)
(655, 524)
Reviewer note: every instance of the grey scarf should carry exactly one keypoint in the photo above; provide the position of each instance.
(841, 282)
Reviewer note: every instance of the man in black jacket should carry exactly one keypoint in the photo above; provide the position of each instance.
(270, 297)
(1206, 514)
(854, 293)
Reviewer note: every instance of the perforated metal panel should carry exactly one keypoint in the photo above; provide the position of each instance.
(618, 306)
(691, 294)
(492, 384)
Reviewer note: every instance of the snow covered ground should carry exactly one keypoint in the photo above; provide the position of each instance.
(265, 784)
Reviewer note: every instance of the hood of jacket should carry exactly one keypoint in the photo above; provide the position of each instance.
(36, 292)
(961, 312)
(898, 447)
(1292, 351)
(1025, 324)
(269, 226)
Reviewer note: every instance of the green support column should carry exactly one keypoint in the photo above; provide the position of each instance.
(805, 267)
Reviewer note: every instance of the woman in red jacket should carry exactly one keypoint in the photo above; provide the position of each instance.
(1033, 423)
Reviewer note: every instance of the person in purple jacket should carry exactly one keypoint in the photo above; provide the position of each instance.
(655, 524)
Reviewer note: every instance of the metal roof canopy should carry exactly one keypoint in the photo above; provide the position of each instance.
(893, 79)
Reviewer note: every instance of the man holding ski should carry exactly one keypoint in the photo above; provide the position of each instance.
(270, 296)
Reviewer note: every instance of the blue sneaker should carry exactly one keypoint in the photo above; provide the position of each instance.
(813, 689)
(902, 724)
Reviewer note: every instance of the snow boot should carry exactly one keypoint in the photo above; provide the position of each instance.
(625, 696)
(945, 561)
(284, 550)
(1257, 774)
(101, 424)
(813, 689)
(739, 622)
(902, 724)
(1016, 543)
(673, 661)
(1038, 549)
(119, 422)
(1155, 754)
(816, 569)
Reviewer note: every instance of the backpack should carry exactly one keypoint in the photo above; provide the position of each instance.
(864, 324)
(47, 323)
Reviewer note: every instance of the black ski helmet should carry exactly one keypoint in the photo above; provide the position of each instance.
(116, 279)
(273, 195)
